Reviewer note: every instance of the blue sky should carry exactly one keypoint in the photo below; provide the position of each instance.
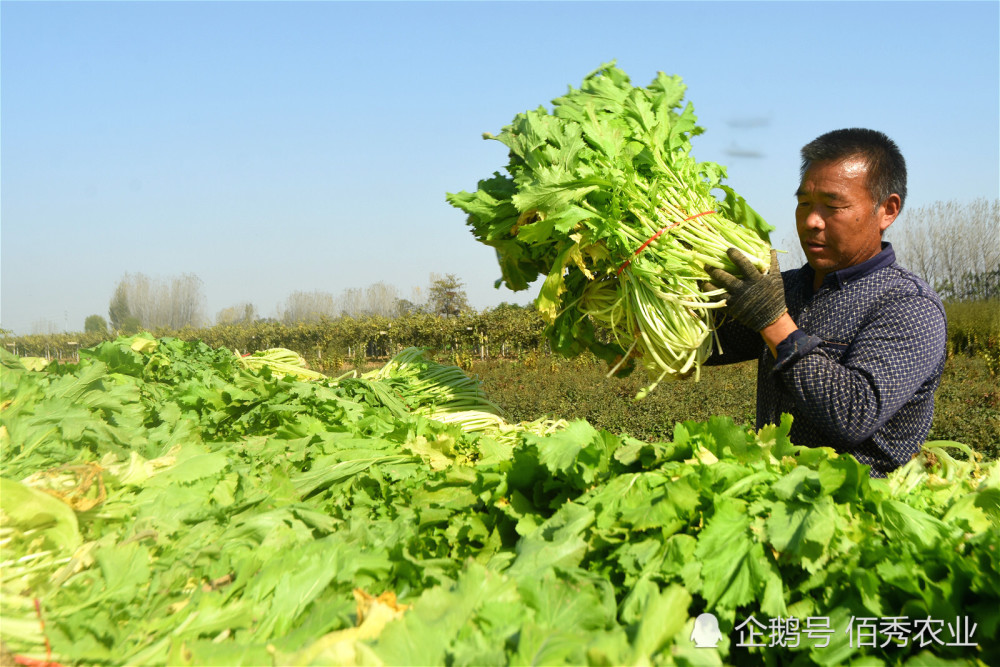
(274, 147)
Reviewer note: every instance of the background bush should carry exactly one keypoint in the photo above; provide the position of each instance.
(505, 331)
(974, 331)
(967, 404)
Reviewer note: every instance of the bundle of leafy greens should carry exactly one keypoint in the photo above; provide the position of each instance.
(603, 197)
(281, 361)
(161, 503)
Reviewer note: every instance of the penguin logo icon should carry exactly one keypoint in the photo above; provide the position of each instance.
(706, 631)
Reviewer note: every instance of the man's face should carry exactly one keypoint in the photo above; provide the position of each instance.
(837, 221)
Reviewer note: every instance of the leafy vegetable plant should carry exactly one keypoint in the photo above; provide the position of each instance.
(603, 198)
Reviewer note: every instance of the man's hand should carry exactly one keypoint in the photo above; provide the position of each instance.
(758, 299)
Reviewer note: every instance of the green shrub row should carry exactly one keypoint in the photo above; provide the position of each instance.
(505, 331)
(967, 404)
(974, 331)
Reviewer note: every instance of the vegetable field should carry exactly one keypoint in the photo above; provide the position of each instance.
(168, 502)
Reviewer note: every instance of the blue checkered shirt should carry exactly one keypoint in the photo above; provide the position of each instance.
(860, 373)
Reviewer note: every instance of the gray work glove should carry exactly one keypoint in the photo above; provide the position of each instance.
(757, 299)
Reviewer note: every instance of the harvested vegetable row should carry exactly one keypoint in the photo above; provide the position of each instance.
(281, 361)
(603, 197)
(161, 503)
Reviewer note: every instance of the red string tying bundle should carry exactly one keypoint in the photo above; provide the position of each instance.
(656, 236)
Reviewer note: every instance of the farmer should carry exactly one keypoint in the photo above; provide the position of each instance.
(851, 344)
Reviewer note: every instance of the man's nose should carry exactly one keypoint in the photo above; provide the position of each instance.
(814, 220)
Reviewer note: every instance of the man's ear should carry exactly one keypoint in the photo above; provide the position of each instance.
(889, 209)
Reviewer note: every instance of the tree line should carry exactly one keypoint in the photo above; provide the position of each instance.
(141, 303)
(954, 246)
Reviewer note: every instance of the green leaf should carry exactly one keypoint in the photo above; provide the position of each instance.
(734, 568)
(565, 613)
(775, 437)
(801, 483)
(664, 615)
(558, 542)
(125, 569)
(26, 508)
(190, 467)
(913, 527)
(424, 634)
(802, 529)
(576, 448)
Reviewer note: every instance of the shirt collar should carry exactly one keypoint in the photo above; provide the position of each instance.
(839, 279)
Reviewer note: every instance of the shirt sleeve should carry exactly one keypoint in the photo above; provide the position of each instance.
(850, 391)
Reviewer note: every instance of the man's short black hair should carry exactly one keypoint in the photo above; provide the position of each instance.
(886, 166)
